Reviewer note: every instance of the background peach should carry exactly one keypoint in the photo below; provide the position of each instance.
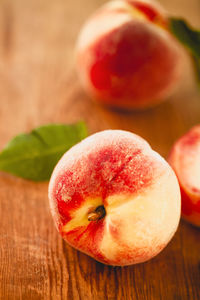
(185, 160)
(126, 57)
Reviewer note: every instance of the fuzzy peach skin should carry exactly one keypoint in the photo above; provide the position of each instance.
(126, 57)
(119, 172)
(185, 160)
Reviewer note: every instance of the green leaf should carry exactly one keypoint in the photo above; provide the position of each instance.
(34, 155)
(189, 37)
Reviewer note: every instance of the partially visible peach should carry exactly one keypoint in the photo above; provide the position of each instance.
(126, 57)
(115, 199)
(185, 160)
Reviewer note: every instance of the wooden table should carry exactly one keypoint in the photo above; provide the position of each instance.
(38, 85)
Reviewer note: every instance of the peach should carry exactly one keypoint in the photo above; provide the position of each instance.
(185, 160)
(114, 198)
(126, 56)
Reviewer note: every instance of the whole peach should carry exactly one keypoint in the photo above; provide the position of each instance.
(115, 199)
(185, 160)
(126, 57)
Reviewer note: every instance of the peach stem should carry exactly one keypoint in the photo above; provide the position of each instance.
(98, 214)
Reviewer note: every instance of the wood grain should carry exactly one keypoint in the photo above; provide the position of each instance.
(38, 85)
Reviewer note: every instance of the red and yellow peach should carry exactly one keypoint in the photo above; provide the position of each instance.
(115, 199)
(126, 56)
(185, 160)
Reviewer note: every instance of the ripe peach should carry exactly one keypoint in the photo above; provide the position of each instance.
(114, 198)
(185, 160)
(126, 57)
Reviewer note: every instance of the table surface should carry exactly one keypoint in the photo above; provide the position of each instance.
(38, 85)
